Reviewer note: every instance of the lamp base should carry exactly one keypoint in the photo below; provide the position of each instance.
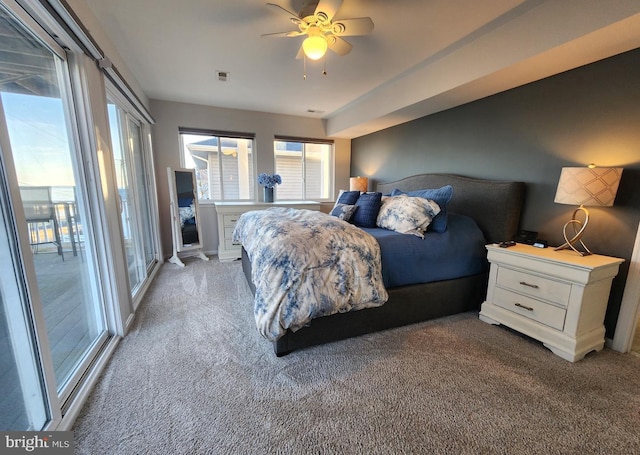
(578, 230)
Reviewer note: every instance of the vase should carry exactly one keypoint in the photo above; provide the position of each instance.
(268, 194)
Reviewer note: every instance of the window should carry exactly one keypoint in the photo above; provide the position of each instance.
(306, 168)
(223, 163)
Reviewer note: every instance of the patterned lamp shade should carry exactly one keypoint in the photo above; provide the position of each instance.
(359, 184)
(590, 186)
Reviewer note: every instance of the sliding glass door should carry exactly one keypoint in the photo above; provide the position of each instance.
(133, 173)
(51, 235)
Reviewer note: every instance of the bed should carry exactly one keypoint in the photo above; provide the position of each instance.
(495, 207)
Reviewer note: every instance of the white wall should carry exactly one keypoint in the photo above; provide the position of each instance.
(90, 22)
(170, 116)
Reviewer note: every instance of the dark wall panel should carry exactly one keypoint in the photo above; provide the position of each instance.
(587, 115)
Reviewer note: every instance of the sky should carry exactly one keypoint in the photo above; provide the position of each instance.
(39, 140)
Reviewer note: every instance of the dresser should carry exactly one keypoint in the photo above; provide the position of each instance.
(229, 212)
(556, 297)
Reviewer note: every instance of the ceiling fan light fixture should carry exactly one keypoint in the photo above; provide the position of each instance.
(315, 21)
(315, 46)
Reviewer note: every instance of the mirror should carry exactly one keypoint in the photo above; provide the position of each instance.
(185, 225)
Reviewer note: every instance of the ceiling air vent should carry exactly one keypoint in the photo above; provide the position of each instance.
(222, 76)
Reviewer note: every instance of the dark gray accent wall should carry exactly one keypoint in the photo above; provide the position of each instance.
(587, 115)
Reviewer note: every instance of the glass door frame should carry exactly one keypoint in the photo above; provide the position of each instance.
(86, 106)
(126, 114)
(74, 97)
(79, 123)
(27, 289)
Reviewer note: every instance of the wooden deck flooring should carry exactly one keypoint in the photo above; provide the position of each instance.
(70, 329)
(68, 316)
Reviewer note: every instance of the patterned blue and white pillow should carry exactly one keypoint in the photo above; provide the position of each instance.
(407, 215)
(441, 196)
(343, 211)
(187, 214)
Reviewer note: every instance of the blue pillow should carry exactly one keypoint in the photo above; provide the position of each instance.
(441, 196)
(348, 197)
(368, 207)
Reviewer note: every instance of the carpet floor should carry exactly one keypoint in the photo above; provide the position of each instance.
(193, 376)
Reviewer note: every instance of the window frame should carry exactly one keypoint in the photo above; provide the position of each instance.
(332, 163)
(220, 135)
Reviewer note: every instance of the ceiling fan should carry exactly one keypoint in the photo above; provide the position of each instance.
(315, 22)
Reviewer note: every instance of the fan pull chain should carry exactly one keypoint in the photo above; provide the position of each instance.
(304, 67)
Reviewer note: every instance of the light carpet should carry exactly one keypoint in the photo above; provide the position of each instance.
(194, 377)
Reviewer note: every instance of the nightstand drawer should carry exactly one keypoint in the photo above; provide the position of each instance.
(534, 286)
(228, 232)
(229, 245)
(230, 220)
(544, 313)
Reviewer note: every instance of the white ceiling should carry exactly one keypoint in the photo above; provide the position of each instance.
(423, 56)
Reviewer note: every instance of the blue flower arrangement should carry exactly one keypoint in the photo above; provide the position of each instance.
(269, 181)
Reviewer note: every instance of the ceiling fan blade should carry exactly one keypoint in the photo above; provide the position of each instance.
(329, 8)
(283, 34)
(300, 53)
(352, 27)
(338, 45)
(293, 15)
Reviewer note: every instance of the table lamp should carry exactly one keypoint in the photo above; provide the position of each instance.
(585, 186)
(359, 184)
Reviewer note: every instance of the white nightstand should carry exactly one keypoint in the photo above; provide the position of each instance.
(556, 297)
(228, 214)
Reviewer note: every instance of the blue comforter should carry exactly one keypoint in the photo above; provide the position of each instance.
(307, 264)
(455, 253)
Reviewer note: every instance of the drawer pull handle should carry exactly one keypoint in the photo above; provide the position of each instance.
(534, 286)
(528, 308)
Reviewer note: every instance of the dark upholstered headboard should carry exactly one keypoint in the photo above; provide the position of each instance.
(494, 205)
